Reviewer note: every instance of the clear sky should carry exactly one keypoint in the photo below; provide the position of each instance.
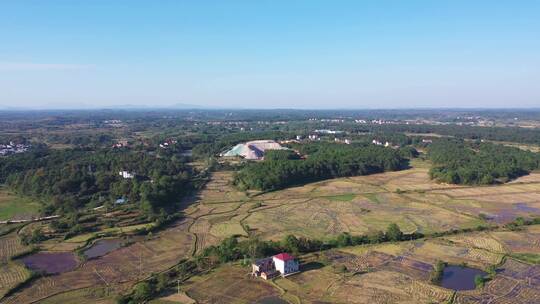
(270, 54)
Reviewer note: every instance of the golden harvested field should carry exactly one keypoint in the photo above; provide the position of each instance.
(525, 241)
(11, 274)
(220, 189)
(482, 240)
(125, 264)
(228, 284)
(319, 210)
(357, 205)
(432, 251)
(384, 273)
(10, 245)
(83, 296)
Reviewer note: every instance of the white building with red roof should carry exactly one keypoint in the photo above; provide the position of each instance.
(282, 264)
(285, 263)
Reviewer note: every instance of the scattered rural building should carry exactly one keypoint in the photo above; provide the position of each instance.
(253, 150)
(380, 143)
(345, 140)
(167, 143)
(289, 141)
(116, 123)
(282, 264)
(120, 201)
(325, 131)
(126, 174)
(13, 148)
(313, 137)
(121, 144)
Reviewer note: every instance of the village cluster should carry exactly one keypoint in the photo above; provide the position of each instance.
(13, 148)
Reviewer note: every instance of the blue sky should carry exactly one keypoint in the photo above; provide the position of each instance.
(269, 54)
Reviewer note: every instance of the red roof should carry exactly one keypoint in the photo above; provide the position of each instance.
(284, 256)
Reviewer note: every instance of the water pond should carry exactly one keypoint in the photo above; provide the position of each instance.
(460, 278)
(526, 208)
(50, 262)
(102, 247)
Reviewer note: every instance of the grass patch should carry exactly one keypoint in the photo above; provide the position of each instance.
(114, 230)
(342, 198)
(227, 229)
(533, 258)
(372, 198)
(16, 207)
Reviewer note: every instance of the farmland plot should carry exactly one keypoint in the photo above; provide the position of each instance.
(11, 274)
(10, 245)
(123, 265)
(319, 210)
(228, 284)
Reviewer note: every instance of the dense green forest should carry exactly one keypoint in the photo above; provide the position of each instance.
(459, 162)
(66, 180)
(323, 161)
(509, 134)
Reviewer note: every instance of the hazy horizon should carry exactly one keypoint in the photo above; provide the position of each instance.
(62, 54)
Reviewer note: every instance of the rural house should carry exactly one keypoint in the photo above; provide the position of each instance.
(282, 264)
(126, 174)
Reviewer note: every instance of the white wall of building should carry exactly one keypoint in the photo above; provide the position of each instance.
(286, 267)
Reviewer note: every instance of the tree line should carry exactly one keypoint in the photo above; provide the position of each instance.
(322, 161)
(509, 134)
(459, 162)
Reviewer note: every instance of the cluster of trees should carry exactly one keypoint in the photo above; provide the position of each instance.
(231, 249)
(437, 272)
(33, 237)
(394, 138)
(519, 222)
(280, 155)
(458, 162)
(323, 161)
(67, 180)
(89, 139)
(509, 134)
(143, 291)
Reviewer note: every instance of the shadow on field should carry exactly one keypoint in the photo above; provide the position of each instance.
(311, 266)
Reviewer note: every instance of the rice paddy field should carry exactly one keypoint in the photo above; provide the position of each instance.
(124, 265)
(386, 273)
(321, 210)
(389, 273)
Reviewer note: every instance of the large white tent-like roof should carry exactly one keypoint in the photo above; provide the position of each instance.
(253, 149)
